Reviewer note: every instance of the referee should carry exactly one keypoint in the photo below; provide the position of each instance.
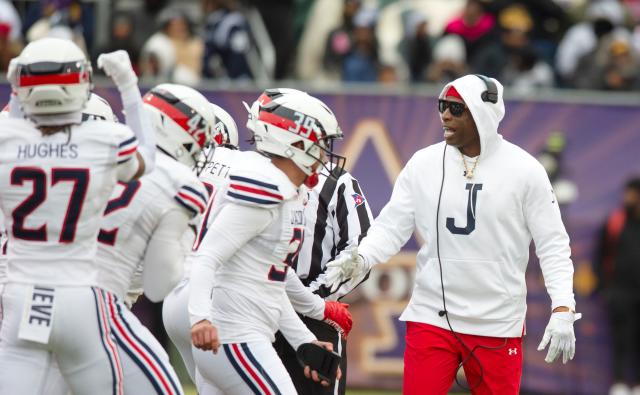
(337, 217)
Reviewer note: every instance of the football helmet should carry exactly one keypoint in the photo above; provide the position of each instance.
(225, 131)
(98, 109)
(294, 125)
(183, 121)
(53, 76)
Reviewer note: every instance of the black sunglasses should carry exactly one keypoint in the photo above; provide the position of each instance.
(456, 109)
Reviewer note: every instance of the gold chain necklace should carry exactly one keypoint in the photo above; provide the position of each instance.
(469, 173)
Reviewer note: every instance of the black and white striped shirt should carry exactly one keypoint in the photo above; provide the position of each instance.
(337, 217)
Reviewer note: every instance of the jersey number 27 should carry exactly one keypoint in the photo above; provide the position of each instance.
(39, 183)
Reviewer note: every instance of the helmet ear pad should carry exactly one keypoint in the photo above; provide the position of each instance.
(53, 77)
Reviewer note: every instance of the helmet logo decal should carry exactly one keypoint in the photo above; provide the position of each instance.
(180, 113)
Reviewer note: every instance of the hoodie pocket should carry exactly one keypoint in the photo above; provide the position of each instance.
(474, 289)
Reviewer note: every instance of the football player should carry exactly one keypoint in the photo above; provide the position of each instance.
(212, 172)
(144, 224)
(237, 298)
(56, 175)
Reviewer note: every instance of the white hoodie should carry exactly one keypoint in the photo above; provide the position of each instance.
(484, 247)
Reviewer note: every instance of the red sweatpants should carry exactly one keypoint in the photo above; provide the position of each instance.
(432, 355)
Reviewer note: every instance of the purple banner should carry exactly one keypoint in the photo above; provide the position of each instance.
(383, 131)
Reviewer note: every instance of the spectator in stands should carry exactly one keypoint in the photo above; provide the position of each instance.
(416, 46)
(361, 64)
(188, 47)
(613, 65)
(618, 269)
(278, 18)
(603, 17)
(449, 60)
(551, 22)
(340, 40)
(513, 59)
(10, 34)
(227, 39)
(145, 15)
(122, 37)
(476, 26)
(174, 52)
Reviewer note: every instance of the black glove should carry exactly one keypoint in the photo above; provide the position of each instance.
(321, 360)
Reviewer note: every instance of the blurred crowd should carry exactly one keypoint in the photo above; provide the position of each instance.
(526, 44)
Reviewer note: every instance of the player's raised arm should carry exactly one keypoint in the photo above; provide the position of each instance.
(117, 66)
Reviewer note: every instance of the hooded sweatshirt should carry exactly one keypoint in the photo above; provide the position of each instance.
(483, 227)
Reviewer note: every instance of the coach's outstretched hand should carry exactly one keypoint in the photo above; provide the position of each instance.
(205, 336)
(346, 265)
(559, 333)
(117, 66)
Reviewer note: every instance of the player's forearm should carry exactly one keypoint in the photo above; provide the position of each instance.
(202, 274)
(139, 122)
(292, 328)
(302, 299)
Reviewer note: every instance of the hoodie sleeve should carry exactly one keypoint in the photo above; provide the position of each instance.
(395, 224)
(542, 214)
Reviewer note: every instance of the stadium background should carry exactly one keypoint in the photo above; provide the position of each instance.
(595, 136)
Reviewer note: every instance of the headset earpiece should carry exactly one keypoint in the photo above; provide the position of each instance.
(491, 94)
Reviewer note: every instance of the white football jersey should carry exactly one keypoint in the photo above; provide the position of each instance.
(133, 213)
(249, 289)
(53, 190)
(214, 176)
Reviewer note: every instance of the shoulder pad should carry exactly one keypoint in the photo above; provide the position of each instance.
(256, 181)
(187, 189)
(193, 198)
(253, 192)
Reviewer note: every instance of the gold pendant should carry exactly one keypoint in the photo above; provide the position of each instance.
(469, 174)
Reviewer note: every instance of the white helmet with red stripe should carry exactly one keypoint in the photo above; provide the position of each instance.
(183, 120)
(225, 131)
(53, 76)
(294, 125)
(98, 109)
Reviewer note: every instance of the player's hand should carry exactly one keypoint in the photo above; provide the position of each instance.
(312, 374)
(205, 336)
(346, 266)
(560, 337)
(117, 66)
(337, 315)
(12, 72)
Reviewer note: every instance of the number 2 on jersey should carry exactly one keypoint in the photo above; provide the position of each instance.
(130, 188)
(38, 179)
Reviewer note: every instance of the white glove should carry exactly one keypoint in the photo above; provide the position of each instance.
(559, 332)
(12, 72)
(117, 66)
(346, 266)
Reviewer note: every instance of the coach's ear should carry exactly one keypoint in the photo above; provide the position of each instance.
(325, 362)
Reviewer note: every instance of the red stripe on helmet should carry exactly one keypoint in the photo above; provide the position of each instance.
(287, 124)
(50, 79)
(176, 115)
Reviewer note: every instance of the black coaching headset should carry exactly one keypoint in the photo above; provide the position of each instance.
(490, 95)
